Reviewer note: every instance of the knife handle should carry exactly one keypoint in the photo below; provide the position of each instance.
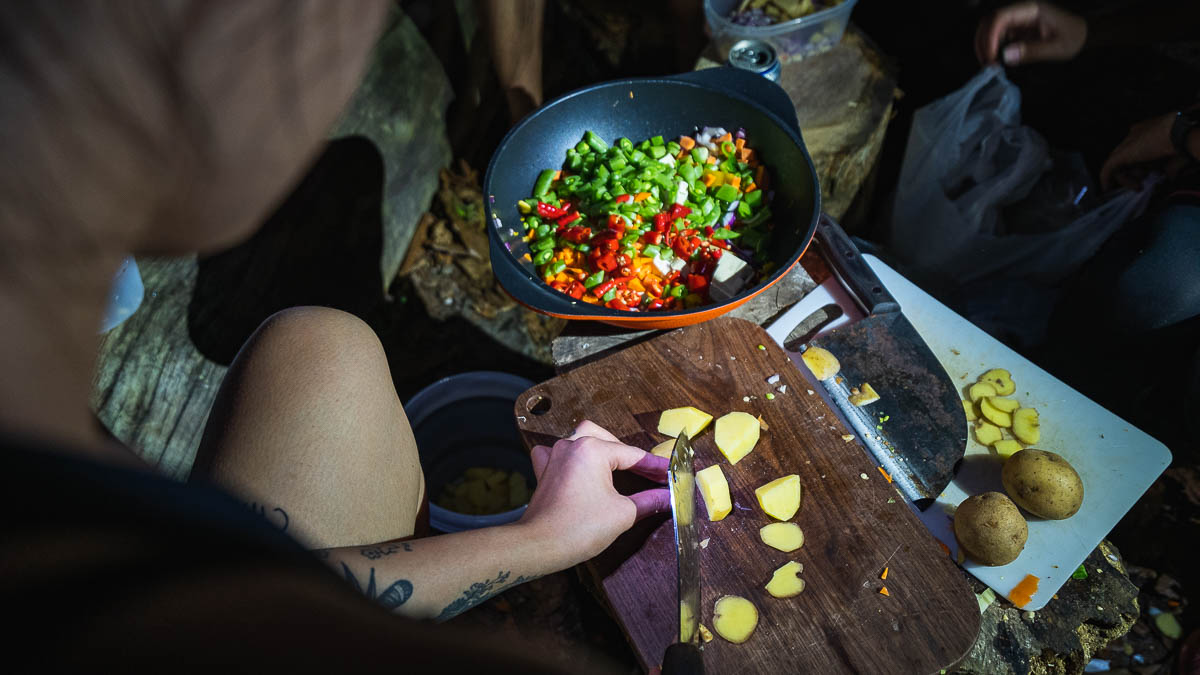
(854, 272)
(683, 659)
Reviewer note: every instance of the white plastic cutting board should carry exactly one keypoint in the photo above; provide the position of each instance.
(1116, 461)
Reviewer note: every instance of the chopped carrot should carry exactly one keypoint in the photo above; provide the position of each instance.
(687, 142)
(709, 179)
(745, 154)
(735, 181)
(636, 285)
(739, 143)
(712, 159)
(558, 174)
(1023, 593)
(945, 548)
(884, 592)
(759, 176)
(591, 299)
(527, 257)
(884, 575)
(642, 196)
(885, 475)
(727, 137)
(751, 187)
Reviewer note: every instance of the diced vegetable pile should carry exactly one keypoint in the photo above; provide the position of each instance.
(659, 225)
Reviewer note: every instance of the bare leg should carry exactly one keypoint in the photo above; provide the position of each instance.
(308, 427)
(515, 34)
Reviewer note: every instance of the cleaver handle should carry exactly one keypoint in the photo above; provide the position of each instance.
(682, 658)
(854, 272)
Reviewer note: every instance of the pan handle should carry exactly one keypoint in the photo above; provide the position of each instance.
(750, 86)
(856, 275)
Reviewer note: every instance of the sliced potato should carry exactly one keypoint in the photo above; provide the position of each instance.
(1006, 447)
(1000, 379)
(736, 435)
(780, 498)
(987, 433)
(980, 390)
(688, 419)
(687, 619)
(663, 449)
(865, 396)
(1026, 427)
(969, 409)
(786, 537)
(821, 362)
(786, 582)
(715, 491)
(1004, 404)
(734, 618)
(997, 417)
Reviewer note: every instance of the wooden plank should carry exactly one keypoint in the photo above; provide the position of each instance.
(854, 522)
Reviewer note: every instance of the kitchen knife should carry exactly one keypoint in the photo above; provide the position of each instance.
(684, 656)
(917, 429)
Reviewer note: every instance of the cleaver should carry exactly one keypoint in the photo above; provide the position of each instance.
(916, 431)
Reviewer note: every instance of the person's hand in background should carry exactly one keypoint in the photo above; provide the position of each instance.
(1147, 147)
(1028, 33)
(575, 508)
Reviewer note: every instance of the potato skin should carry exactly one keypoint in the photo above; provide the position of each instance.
(990, 529)
(1043, 483)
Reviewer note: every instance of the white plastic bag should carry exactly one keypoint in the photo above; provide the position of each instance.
(968, 155)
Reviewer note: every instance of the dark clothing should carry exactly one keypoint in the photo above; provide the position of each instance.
(108, 566)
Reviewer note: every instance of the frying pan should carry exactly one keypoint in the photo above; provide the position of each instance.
(638, 109)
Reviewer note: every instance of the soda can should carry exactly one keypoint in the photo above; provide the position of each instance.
(757, 57)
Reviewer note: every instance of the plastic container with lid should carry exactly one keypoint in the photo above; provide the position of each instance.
(793, 40)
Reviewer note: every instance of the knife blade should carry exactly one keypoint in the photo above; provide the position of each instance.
(917, 430)
(684, 656)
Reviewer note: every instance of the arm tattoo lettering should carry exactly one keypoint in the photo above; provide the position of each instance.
(280, 523)
(392, 597)
(479, 592)
(377, 552)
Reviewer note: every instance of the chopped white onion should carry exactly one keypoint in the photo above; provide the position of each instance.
(773, 379)
(681, 192)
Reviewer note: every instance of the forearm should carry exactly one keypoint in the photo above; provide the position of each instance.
(441, 577)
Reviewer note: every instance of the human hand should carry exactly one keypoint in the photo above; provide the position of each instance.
(1035, 31)
(1148, 146)
(575, 509)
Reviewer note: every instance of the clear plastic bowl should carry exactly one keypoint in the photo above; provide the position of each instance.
(793, 40)
(467, 420)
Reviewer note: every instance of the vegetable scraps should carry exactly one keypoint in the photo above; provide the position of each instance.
(654, 226)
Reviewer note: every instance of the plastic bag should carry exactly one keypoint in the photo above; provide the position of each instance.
(968, 157)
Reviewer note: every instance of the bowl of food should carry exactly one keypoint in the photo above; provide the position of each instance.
(795, 28)
(652, 202)
(477, 472)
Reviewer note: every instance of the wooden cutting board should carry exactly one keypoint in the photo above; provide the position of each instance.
(855, 524)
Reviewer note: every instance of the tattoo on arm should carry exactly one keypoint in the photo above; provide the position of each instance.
(479, 592)
(391, 598)
(377, 552)
(280, 523)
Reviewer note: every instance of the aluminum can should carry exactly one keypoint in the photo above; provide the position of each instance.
(757, 57)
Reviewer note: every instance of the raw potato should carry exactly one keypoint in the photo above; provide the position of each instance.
(715, 491)
(786, 537)
(1026, 426)
(980, 390)
(688, 419)
(734, 618)
(993, 415)
(786, 583)
(969, 409)
(990, 529)
(484, 491)
(736, 434)
(781, 497)
(1000, 379)
(1043, 483)
(1006, 448)
(865, 396)
(1004, 404)
(821, 362)
(663, 449)
(987, 433)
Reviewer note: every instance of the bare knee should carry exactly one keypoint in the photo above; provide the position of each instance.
(310, 336)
